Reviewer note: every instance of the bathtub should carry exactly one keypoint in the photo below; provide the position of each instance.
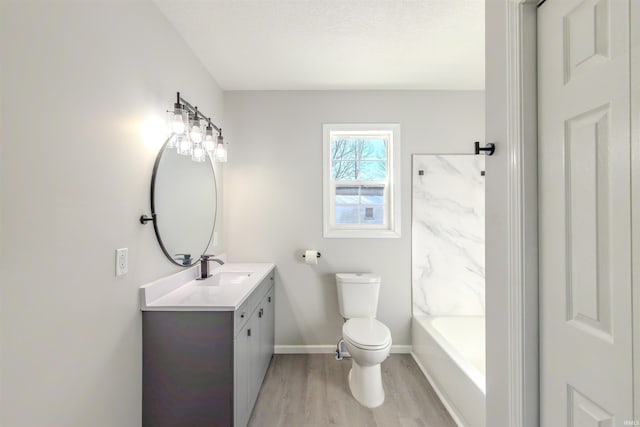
(450, 350)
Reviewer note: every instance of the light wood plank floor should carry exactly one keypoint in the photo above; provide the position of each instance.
(311, 390)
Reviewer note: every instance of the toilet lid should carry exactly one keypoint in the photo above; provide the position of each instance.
(366, 333)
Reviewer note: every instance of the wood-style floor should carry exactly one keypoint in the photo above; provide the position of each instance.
(311, 390)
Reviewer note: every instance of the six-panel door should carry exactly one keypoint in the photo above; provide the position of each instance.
(585, 213)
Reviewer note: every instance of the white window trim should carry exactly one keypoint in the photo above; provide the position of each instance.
(330, 230)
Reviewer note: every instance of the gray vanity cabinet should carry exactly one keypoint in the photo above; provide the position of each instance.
(254, 344)
(205, 368)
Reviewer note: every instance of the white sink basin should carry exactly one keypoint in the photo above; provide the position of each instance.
(227, 288)
(222, 278)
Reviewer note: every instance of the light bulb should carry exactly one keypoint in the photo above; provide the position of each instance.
(177, 124)
(221, 152)
(196, 132)
(178, 119)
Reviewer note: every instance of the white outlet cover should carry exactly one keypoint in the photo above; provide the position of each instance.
(122, 261)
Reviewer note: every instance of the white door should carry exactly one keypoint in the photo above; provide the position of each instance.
(586, 376)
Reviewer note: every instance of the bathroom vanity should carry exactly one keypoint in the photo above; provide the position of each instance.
(207, 345)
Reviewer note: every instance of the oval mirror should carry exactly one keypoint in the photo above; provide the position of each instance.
(183, 200)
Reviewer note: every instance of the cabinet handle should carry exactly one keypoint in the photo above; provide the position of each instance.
(260, 312)
(269, 299)
(249, 332)
(242, 316)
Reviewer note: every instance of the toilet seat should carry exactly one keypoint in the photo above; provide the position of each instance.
(367, 334)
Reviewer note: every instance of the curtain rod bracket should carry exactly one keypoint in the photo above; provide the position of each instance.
(489, 149)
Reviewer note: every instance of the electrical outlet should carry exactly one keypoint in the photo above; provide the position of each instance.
(122, 261)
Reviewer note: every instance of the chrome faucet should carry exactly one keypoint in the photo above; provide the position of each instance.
(204, 265)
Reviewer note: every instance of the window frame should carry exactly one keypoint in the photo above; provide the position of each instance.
(392, 184)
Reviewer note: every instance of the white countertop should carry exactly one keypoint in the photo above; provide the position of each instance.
(181, 292)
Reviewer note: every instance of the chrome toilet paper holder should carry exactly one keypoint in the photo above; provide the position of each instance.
(317, 255)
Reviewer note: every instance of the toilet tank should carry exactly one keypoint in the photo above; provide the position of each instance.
(357, 294)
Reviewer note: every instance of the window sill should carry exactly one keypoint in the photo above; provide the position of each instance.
(361, 234)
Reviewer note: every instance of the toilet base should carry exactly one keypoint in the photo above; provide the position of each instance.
(365, 383)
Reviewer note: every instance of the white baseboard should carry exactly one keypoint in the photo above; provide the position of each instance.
(329, 349)
(401, 349)
(304, 349)
(454, 414)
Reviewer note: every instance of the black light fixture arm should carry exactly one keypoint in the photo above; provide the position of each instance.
(196, 112)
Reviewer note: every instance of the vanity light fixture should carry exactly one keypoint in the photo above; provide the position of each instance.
(193, 134)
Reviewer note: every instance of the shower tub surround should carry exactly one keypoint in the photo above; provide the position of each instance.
(448, 281)
(448, 235)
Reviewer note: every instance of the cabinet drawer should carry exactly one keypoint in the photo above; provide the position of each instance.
(241, 316)
(261, 291)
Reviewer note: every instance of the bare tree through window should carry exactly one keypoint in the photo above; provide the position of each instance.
(356, 159)
(359, 169)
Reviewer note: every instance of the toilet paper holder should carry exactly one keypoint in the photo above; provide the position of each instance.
(317, 255)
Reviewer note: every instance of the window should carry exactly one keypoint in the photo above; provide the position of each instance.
(361, 180)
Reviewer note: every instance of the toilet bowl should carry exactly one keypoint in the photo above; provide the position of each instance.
(368, 341)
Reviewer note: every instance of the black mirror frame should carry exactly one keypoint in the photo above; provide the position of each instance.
(154, 215)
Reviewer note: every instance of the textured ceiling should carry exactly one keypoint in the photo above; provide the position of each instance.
(335, 44)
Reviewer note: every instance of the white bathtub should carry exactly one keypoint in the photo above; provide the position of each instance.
(450, 350)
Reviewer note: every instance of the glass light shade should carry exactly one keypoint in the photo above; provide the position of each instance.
(177, 125)
(178, 119)
(221, 152)
(195, 130)
(198, 153)
(184, 145)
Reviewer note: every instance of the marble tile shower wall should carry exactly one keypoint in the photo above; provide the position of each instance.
(448, 235)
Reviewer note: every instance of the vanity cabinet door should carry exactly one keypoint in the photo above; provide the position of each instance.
(248, 366)
(253, 350)
(267, 337)
(255, 381)
(242, 409)
(187, 368)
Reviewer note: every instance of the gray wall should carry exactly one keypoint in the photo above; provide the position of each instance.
(79, 80)
(273, 197)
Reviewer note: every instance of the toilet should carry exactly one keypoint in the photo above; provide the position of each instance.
(367, 340)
